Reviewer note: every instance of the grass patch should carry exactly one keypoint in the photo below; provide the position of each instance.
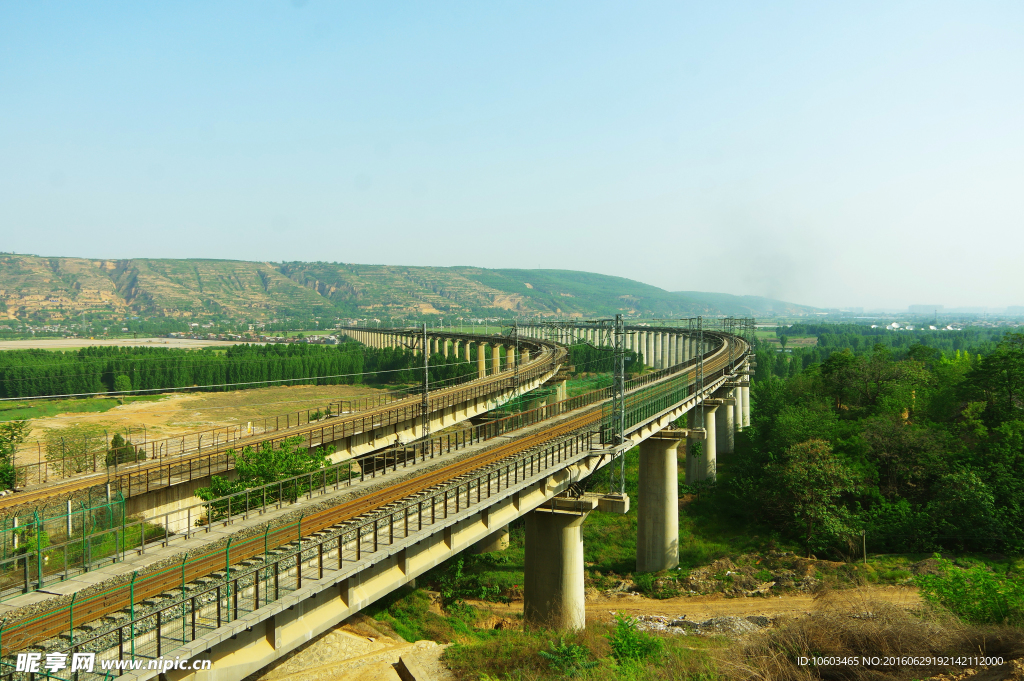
(36, 409)
(409, 613)
(597, 652)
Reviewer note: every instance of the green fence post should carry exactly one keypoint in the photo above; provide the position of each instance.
(183, 620)
(227, 576)
(110, 525)
(39, 549)
(124, 538)
(266, 562)
(71, 618)
(131, 597)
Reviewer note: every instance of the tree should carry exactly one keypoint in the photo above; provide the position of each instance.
(783, 339)
(122, 384)
(72, 449)
(12, 434)
(1000, 378)
(964, 512)
(811, 482)
(255, 468)
(123, 451)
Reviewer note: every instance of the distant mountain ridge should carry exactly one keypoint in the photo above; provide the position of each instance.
(60, 288)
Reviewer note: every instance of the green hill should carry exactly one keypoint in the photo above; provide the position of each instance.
(52, 289)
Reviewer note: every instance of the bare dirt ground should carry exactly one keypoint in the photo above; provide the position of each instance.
(358, 650)
(699, 608)
(181, 413)
(77, 343)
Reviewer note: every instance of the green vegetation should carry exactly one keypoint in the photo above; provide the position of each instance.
(73, 449)
(976, 594)
(12, 434)
(508, 653)
(123, 451)
(923, 452)
(263, 466)
(584, 357)
(38, 409)
(26, 373)
(860, 340)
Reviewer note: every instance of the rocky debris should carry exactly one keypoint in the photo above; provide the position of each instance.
(762, 575)
(622, 589)
(722, 626)
(499, 622)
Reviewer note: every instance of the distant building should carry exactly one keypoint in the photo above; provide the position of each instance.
(924, 309)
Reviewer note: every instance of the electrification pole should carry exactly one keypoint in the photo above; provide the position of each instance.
(700, 369)
(425, 403)
(617, 474)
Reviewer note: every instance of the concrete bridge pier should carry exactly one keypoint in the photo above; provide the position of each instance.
(495, 358)
(694, 466)
(659, 361)
(481, 361)
(524, 357)
(657, 532)
(649, 351)
(553, 580)
(705, 466)
(746, 402)
(725, 424)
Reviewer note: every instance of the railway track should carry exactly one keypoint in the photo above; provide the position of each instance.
(156, 474)
(31, 630)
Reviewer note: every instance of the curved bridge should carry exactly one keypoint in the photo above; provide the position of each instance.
(267, 579)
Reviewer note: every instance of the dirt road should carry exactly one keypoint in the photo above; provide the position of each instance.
(76, 343)
(700, 608)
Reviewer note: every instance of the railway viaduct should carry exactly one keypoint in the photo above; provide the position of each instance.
(163, 489)
(257, 584)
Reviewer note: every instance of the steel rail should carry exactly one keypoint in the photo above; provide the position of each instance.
(52, 623)
(394, 412)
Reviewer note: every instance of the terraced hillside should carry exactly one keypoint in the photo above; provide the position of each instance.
(62, 288)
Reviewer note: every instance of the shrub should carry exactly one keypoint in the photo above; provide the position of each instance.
(455, 585)
(630, 644)
(568, 658)
(975, 595)
(123, 451)
(656, 585)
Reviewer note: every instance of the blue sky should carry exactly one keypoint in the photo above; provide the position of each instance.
(827, 153)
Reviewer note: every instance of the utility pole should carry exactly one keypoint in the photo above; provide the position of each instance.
(699, 373)
(425, 404)
(618, 422)
(516, 357)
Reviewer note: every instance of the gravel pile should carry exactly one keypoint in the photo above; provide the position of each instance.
(727, 626)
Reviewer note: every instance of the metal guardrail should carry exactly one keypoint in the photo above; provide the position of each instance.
(49, 624)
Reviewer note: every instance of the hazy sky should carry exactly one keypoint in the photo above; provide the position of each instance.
(827, 153)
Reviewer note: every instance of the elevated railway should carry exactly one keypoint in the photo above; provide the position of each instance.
(147, 477)
(357, 527)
